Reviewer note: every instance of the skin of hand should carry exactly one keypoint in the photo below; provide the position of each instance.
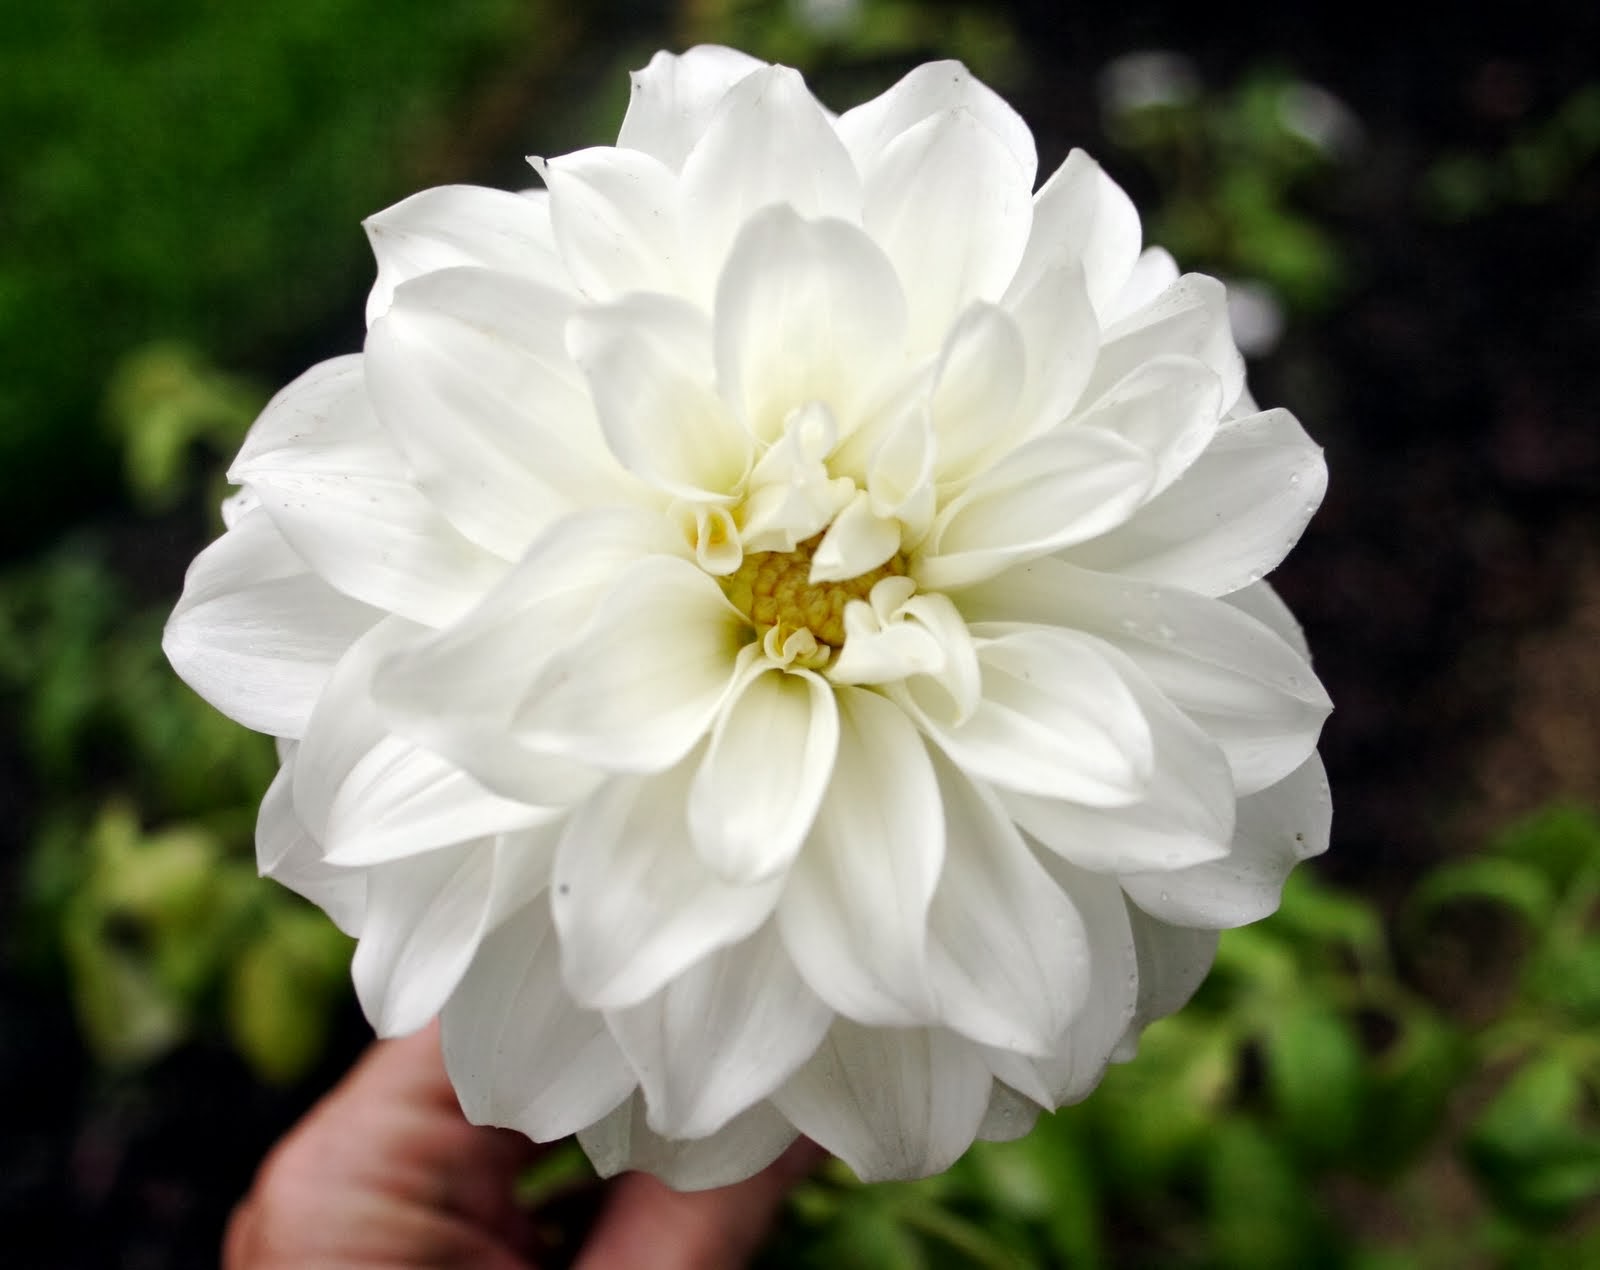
(385, 1171)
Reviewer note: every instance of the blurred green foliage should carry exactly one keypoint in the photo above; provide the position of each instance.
(155, 934)
(1536, 165)
(1233, 168)
(174, 170)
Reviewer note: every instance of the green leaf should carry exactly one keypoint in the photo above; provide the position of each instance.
(1260, 1214)
(866, 1237)
(1528, 1148)
(1559, 841)
(1050, 1179)
(281, 990)
(1567, 978)
(1152, 1115)
(1322, 918)
(1509, 884)
(1411, 1083)
(1316, 1077)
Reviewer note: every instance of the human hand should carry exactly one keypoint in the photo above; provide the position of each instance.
(385, 1171)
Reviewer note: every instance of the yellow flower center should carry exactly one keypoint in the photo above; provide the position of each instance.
(773, 588)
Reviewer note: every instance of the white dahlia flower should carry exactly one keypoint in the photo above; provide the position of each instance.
(768, 637)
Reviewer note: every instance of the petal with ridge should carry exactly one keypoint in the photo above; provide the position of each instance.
(1079, 1057)
(741, 1148)
(675, 96)
(1058, 490)
(1229, 519)
(855, 919)
(615, 215)
(290, 856)
(453, 225)
(520, 1052)
(1278, 828)
(805, 311)
(256, 632)
(722, 1036)
(634, 905)
(1055, 719)
(892, 1103)
(1008, 954)
(949, 203)
(768, 141)
(648, 361)
(930, 89)
(1081, 217)
(757, 790)
(644, 680)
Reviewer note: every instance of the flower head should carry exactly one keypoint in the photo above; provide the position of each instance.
(768, 636)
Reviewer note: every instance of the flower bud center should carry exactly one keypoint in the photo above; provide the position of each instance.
(774, 589)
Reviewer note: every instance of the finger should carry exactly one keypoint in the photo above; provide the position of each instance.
(647, 1224)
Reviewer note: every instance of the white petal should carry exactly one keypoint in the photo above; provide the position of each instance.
(455, 225)
(1185, 817)
(343, 498)
(457, 692)
(857, 542)
(1188, 319)
(519, 1051)
(675, 96)
(1263, 603)
(367, 795)
(1080, 1055)
(1009, 1115)
(634, 904)
(1173, 960)
(1055, 719)
(309, 408)
(892, 1103)
(922, 635)
(648, 361)
(1061, 340)
(256, 633)
(721, 1036)
(792, 496)
(425, 917)
(614, 212)
(933, 88)
(469, 373)
(1278, 828)
(768, 141)
(1007, 951)
(949, 202)
(290, 856)
(1052, 492)
(1248, 689)
(399, 799)
(757, 790)
(1226, 521)
(1153, 273)
(1081, 217)
(740, 1149)
(805, 311)
(854, 915)
(900, 474)
(1169, 407)
(978, 381)
(645, 678)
